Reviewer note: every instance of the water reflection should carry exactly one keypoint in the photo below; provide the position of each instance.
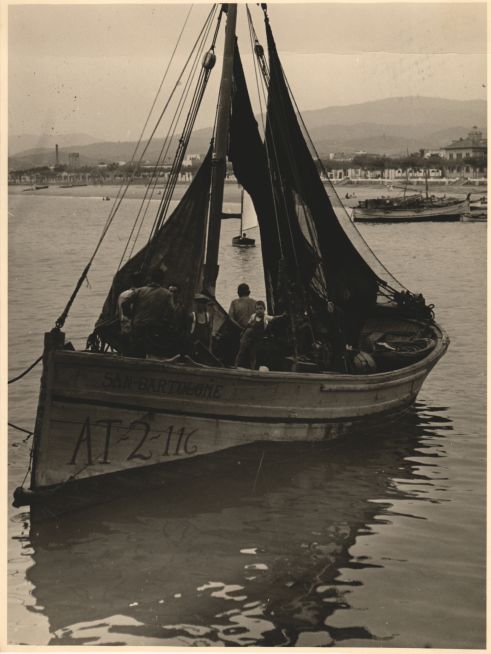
(242, 549)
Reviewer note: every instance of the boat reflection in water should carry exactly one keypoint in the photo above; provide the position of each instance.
(242, 548)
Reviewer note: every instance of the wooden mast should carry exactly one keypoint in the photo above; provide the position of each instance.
(220, 154)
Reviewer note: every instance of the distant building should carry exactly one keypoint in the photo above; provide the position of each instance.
(191, 159)
(73, 160)
(340, 156)
(434, 153)
(474, 145)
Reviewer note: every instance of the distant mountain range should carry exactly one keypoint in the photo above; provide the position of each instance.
(391, 126)
(23, 143)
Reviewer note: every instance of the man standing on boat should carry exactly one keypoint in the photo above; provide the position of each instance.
(242, 308)
(253, 335)
(154, 330)
(201, 323)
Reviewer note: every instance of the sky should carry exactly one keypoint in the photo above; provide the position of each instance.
(95, 69)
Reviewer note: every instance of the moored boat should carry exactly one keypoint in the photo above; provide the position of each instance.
(105, 410)
(414, 208)
(248, 220)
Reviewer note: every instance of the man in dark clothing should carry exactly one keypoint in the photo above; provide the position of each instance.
(152, 307)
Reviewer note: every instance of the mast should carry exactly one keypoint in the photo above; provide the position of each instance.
(220, 154)
(241, 210)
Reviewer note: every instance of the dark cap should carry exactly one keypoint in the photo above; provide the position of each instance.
(199, 297)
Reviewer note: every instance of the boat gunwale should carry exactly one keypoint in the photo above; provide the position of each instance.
(112, 360)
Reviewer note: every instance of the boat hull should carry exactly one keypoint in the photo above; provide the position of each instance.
(101, 414)
(243, 242)
(445, 214)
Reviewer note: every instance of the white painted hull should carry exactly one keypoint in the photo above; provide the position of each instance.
(452, 212)
(103, 414)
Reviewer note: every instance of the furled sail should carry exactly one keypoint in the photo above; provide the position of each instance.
(177, 249)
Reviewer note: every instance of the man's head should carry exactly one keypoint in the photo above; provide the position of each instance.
(243, 290)
(201, 302)
(157, 276)
(137, 279)
(260, 308)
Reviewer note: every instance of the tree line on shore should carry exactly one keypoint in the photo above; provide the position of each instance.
(367, 162)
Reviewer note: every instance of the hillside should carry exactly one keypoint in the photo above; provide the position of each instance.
(24, 143)
(391, 126)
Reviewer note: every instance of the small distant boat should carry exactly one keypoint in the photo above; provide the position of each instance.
(38, 188)
(248, 220)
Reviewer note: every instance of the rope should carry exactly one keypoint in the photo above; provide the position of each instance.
(150, 189)
(26, 431)
(61, 320)
(29, 467)
(11, 381)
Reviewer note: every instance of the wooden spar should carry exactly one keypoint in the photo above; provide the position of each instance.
(241, 210)
(220, 154)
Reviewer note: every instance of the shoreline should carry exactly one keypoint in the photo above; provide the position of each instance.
(232, 191)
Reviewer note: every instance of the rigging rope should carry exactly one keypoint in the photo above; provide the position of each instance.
(61, 320)
(184, 139)
(150, 189)
(26, 431)
(259, 52)
(155, 100)
(23, 374)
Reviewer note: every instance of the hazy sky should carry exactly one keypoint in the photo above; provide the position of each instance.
(95, 68)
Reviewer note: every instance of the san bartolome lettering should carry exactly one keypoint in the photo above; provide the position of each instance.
(117, 381)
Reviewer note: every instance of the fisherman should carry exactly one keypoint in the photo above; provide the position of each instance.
(242, 308)
(136, 280)
(200, 327)
(152, 306)
(180, 312)
(337, 336)
(253, 335)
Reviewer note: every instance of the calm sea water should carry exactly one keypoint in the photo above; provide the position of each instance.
(376, 543)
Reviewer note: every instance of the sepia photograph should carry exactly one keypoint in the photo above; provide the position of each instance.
(246, 325)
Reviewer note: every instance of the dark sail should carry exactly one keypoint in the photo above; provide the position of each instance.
(177, 248)
(248, 158)
(349, 281)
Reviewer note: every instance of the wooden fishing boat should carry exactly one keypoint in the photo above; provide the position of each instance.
(414, 208)
(103, 411)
